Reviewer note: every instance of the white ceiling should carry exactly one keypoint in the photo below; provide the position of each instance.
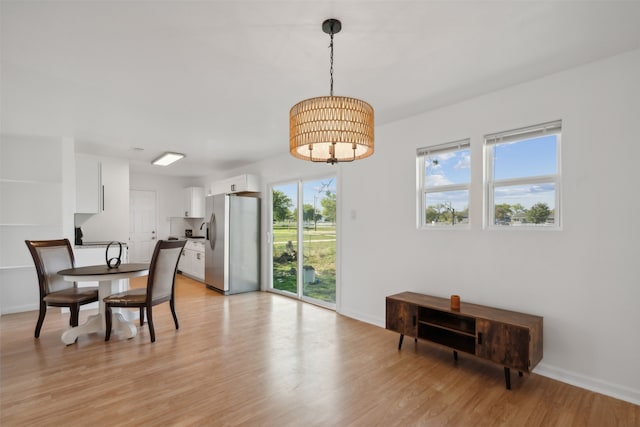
(216, 79)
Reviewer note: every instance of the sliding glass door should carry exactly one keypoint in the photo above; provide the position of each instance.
(303, 240)
(284, 238)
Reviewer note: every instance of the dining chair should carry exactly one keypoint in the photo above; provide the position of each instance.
(159, 289)
(49, 257)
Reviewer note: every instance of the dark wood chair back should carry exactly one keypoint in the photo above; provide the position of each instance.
(162, 271)
(49, 257)
(160, 287)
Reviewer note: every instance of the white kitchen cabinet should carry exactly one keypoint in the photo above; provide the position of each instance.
(111, 223)
(198, 265)
(184, 263)
(194, 202)
(89, 190)
(192, 260)
(237, 184)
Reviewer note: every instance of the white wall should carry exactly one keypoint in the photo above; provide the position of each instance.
(584, 279)
(169, 197)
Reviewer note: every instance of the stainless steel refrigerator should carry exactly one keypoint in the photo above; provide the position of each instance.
(232, 247)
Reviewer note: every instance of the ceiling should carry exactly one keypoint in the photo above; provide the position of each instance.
(216, 79)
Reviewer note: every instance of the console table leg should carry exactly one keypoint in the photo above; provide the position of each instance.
(519, 373)
(455, 355)
(507, 377)
(400, 342)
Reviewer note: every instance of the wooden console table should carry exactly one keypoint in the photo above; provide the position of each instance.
(508, 338)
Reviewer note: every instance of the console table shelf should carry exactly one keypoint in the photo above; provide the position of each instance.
(508, 338)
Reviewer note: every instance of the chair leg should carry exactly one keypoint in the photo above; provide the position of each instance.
(43, 312)
(152, 331)
(107, 314)
(75, 314)
(173, 311)
(141, 316)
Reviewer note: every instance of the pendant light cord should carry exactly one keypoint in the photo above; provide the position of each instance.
(331, 61)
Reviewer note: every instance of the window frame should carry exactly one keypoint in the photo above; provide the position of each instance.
(423, 190)
(516, 135)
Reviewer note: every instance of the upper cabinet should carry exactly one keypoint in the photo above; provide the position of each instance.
(237, 184)
(102, 198)
(89, 189)
(194, 202)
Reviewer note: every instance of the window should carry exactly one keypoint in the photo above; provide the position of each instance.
(523, 177)
(444, 174)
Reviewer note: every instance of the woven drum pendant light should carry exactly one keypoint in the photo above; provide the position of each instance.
(331, 129)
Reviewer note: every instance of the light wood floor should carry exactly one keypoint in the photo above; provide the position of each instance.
(263, 359)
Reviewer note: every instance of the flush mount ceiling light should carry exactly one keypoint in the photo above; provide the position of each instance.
(167, 158)
(331, 128)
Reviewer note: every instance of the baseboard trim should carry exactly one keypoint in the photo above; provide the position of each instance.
(20, 308)
(613, 390)
(362, 317)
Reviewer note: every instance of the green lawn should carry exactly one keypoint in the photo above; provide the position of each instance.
(319, 252)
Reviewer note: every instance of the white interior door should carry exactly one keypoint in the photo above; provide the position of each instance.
(142, 231)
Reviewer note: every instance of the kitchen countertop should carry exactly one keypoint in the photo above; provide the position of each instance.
(194, 238)
(195, 244)
(89, 245)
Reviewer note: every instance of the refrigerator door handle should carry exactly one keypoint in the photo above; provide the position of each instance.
(212, 242)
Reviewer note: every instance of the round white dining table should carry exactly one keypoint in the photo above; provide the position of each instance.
(108, 279)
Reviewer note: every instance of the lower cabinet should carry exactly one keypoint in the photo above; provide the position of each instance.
(508, 338)
(192, 263)
(402, 317)
(504, 343)
(198, 265)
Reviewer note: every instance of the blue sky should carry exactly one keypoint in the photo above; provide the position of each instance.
(446, 169)
(532, 157)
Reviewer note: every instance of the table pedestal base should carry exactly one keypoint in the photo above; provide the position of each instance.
(94, 324)
(109, 282)
(120, 320)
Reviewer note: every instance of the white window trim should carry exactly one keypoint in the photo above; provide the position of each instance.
(530, 132)
(422, 191)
